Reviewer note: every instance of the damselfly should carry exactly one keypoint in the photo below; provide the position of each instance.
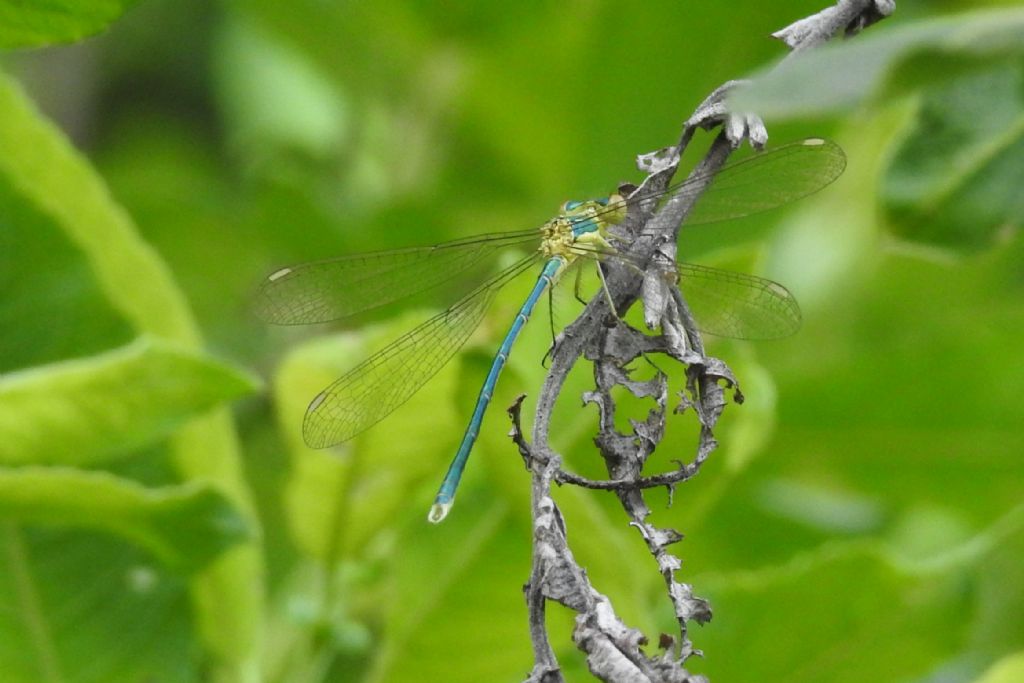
(724, 303)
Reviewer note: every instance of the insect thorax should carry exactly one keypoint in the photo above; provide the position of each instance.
(581, 227)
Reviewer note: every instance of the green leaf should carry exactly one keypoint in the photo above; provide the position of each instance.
(998, 628)
(52, 307)
(1007, 670)
(42, 167)
(935, 329)
(773, 622)
(896, 619)
(46, 22)
(182, 526)
(89, 411)
(955, 179)
(377, 475)
(838, 76)
(458, 582)
(82, 607)
(256, 73)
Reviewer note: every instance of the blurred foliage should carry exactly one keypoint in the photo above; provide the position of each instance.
(55, 21)
(955, 178)
(863, 519)
(975, 124)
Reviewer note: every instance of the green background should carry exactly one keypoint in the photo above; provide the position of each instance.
(160, 519)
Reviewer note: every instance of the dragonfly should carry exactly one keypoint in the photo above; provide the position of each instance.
(724, 303)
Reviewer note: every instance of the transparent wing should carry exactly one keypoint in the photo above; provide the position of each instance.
(730, 304)
(321, 291)
(769, 179)
(370, 391)
(762, 181)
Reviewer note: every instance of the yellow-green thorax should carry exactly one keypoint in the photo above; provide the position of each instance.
(581, 228)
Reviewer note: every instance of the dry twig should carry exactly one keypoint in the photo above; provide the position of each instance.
(613, 650)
